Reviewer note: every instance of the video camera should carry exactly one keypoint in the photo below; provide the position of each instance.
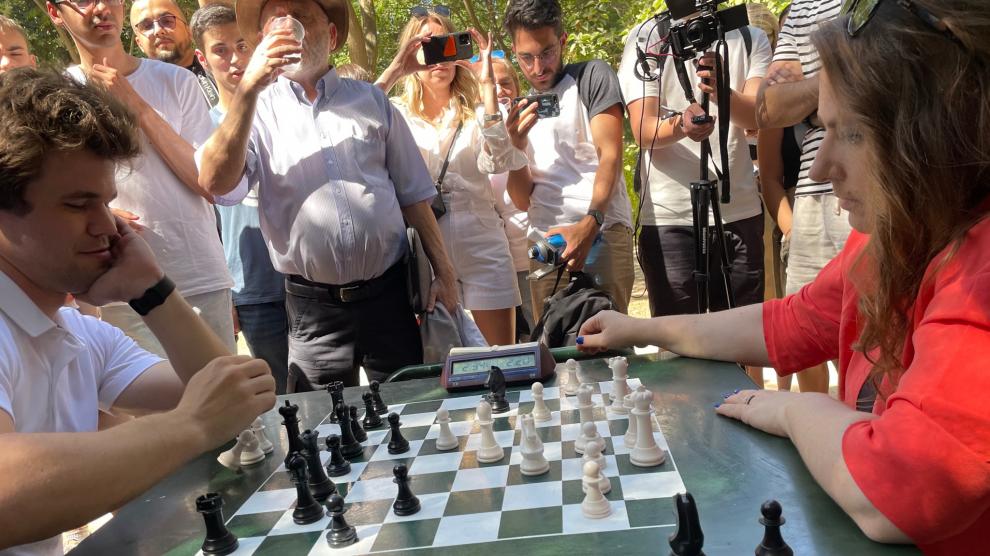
(695, 25)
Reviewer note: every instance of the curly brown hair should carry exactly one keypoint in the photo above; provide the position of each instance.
(43, 111)
(924, 101)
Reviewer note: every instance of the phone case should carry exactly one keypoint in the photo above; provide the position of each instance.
(448, 48)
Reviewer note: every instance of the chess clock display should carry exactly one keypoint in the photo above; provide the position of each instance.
(467, 368)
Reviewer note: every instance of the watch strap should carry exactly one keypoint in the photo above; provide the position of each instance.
(496, 117)
(598, 216)
(153, 296)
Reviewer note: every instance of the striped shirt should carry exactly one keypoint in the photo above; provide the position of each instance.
(794, 44)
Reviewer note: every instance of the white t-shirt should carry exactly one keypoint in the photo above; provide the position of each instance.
(671, 169)
(563, 158)
(54, 374)
(182, 227)
(516, 223)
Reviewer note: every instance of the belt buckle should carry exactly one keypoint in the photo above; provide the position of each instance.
(348, 294)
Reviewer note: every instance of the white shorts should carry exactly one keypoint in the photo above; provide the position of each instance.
(818, 233)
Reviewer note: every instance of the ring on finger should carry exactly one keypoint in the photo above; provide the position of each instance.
(750, 398)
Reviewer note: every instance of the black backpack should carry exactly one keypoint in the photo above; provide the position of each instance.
(566, 310)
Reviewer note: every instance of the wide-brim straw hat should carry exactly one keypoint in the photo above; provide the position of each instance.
(249, 18)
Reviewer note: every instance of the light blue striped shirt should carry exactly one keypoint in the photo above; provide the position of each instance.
(332, 176)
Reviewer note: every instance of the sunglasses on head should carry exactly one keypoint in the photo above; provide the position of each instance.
(86, 4)
(424, 10)
(860, 13)
(495, 54)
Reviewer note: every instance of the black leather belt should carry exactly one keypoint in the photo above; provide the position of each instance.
(346, 293)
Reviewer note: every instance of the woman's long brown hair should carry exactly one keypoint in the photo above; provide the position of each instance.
(924, 102)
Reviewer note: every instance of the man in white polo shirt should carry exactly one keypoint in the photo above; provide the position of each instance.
(58, 367)
(573, 185)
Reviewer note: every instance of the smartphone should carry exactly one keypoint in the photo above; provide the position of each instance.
(547, 105)
(699, 120)
(448, 48)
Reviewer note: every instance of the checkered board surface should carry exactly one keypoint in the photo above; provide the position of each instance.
(463, 501)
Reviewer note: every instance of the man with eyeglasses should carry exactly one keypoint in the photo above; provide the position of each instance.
(14, 49)
(789, 96)
(159, 191)
(161, 32)
(573, 185)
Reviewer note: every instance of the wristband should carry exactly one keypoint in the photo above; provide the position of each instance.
(153, 296)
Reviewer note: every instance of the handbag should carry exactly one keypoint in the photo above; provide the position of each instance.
(438, 206)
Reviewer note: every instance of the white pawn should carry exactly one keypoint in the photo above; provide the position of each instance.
(589, 435)
(571, 383)
(490, 451)
(446, 439)
(258, 427)
(594, 505)
(593, 452)
(645, 453)
(252, 452)
(540, 411)
(586, 413)
(629, 439)
(533, 462)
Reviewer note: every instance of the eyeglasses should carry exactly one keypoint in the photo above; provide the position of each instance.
(495, 54)
(87, 4)
(860, 13)
(545, 58)
(147, 26)
(425, 10)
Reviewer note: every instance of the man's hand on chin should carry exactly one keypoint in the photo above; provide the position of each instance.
(133, 269)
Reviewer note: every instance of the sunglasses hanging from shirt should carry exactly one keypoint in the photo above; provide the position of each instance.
(438, 206)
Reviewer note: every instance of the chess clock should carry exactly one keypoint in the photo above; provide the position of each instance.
(468, 368)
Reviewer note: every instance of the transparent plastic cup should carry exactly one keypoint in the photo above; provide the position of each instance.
(298, 32)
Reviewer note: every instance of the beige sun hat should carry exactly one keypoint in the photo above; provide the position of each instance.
(249, 18)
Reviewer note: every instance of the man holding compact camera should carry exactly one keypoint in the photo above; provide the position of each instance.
(573, 185)
(670, 131)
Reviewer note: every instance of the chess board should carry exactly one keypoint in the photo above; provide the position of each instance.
(465, 502)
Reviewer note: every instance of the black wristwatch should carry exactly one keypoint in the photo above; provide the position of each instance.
(153, 296)
(598, 216)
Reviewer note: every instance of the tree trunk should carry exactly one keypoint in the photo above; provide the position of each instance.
(355, 40)
(63, 37)
(368, 19)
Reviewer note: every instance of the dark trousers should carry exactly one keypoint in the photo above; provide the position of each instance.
(266, 330)
(330, 339)
(667, 256)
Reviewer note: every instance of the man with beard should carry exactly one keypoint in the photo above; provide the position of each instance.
(161, 32)
(573, 185)
(337, 172)
(160, 190)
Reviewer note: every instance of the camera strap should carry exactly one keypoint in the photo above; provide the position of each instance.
(724, 106)
(446, 159)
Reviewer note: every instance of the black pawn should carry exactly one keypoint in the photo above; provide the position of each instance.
(338, 465)
(406, 502)
(349, 446)
(319, 484)
(218, 539)
(496, 385)
(308, 510)
(396, 444)
(371, 418)
(688, 539)
(291, 422)
(340, 534)
(336, 391)
(359, 433)
(773, 544)
(380, 407)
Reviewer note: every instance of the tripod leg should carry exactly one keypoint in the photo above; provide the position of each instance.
(724, 254)
(701, 193)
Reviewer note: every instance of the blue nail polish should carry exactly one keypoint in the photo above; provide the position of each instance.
(736, 392)
(716, 406)
(580, 340)
(726, 395)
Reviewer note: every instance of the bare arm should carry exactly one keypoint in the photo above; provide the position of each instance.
(420, 216)
(739, 332)
(816, 424)
(521, 119)
(743, 105)
(785, 98)
(772, 177)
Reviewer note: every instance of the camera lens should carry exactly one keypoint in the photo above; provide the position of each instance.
(465, 39)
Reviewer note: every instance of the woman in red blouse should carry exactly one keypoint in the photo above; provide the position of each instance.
(905, 308)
